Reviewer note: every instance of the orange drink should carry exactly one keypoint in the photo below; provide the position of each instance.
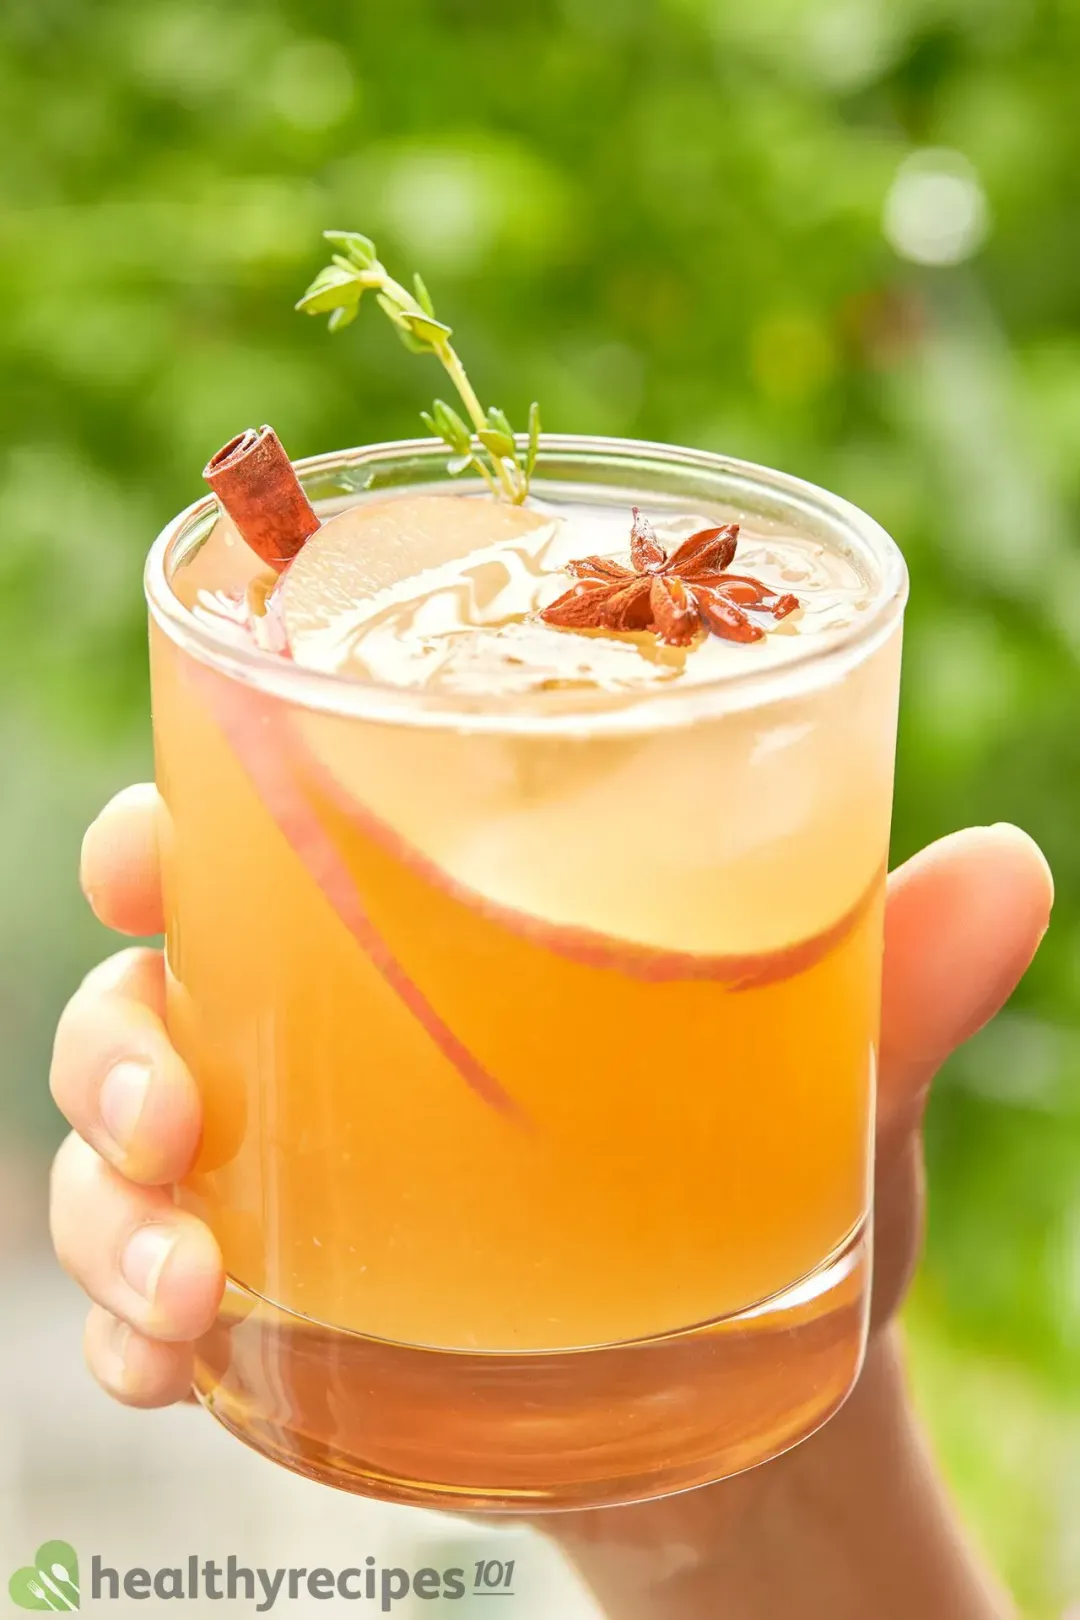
(529, 971)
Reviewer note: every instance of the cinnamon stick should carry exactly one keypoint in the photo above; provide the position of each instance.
(257, 485)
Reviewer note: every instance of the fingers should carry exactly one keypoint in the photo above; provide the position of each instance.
(148, 1263)
(154, 1271)
(963, 921)
(120, 868)
(116, 1076)
(133, 1369)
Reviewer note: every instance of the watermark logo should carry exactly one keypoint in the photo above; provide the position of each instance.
(50, 1582)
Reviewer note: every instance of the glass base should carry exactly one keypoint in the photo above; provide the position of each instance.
(528, 1433)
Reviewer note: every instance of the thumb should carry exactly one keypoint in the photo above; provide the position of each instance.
(963, 921)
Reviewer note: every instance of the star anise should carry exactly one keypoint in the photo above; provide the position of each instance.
(676, 596)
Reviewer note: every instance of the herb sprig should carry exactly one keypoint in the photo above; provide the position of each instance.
(486, 442)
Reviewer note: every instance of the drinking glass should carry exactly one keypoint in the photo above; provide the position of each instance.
(535, 1034)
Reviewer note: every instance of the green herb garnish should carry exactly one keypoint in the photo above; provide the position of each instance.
(488, 445)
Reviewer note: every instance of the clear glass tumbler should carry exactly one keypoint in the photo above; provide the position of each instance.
(535, 1036)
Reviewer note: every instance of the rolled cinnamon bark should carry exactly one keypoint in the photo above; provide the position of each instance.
(257, 485)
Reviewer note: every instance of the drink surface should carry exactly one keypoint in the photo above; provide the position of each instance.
(443, 593)
(519, 1041)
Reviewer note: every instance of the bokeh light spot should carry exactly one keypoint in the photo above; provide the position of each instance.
(936, 211)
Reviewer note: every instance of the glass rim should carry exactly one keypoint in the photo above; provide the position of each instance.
(348, 695)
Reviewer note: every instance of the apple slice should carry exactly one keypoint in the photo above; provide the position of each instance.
(548, 833)
(372, 547)
(668, 856)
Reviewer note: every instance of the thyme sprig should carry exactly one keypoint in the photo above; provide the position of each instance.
(486, 442)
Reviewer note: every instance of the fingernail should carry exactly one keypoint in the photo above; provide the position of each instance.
(121, 1101)
(114, 1353)
(145, 1255)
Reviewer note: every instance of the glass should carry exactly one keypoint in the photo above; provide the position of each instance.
(550, 1189)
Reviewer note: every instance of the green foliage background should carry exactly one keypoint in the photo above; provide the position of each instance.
(663, 218)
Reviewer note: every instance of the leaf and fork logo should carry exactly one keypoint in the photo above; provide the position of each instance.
(50, 1582)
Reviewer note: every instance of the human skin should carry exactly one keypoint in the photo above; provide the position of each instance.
(852, 1524)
